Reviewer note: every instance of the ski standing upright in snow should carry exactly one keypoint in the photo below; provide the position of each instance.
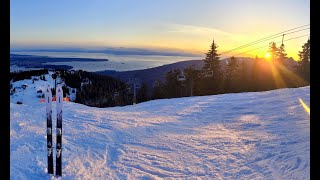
(59, 100)
(48, 100)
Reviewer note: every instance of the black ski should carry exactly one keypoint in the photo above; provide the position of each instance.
(59, 100)
(48, 100)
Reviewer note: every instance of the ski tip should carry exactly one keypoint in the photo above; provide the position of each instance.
(59, 89)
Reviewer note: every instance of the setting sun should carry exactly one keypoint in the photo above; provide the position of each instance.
(267, 55)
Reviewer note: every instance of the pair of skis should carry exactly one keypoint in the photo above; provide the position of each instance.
(59, 100)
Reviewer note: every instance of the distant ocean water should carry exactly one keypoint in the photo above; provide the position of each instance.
(116, 62)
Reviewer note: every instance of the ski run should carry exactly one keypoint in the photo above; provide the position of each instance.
(256, 135)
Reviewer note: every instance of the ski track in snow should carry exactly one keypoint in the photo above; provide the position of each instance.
(258, 135)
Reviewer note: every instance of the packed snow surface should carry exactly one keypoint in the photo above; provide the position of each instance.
(258, 135)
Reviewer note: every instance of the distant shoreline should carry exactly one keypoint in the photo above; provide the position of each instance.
(93, 62)
(56, 59)
(24, 62)
(110, 51)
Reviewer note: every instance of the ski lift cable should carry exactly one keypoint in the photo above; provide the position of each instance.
(265, 39)
(280, 34)
(261, 41)
(268, 45)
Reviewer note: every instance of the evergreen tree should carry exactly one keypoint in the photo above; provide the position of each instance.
(232, 77)
(158, 91)
(243, 77)
(281, 54)
(281, 68)
(171, 87)
(212, 58)
(255, 74)
(303, 68)
(192, 81)
(212, 63)
(273, 50)
(142, 93)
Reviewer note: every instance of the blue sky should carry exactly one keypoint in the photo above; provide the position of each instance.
(173, 24)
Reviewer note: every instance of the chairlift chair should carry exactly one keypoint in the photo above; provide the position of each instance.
(181, 77)
(209, 74)
(206, 72)
(156, 84)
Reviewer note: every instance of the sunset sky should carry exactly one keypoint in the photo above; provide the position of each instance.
(186, 25)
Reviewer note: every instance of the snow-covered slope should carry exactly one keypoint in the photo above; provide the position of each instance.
(260, 135)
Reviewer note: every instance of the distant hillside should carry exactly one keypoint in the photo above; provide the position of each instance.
(152, 74)
(158, 73)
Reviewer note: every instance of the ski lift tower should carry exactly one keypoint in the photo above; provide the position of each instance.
(182, 78)
(136, 85)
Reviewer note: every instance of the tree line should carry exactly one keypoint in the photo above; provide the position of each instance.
(21, 75)
(258, 74)
(237, 76)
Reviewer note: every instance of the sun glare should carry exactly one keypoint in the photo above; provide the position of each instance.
(267, 55)
(304, 106)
